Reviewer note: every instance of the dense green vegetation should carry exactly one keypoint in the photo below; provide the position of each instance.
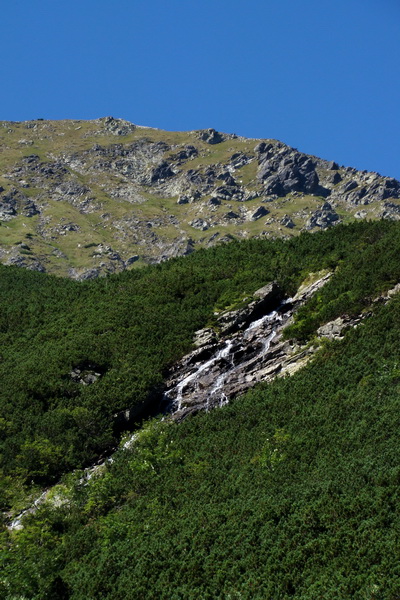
(290, 492)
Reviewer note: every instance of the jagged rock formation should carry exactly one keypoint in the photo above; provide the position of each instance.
(323, 218)
(84, 198)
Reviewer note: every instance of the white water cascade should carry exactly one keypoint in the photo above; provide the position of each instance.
(210, 383)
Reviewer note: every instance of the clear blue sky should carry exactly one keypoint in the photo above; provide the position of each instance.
(321, 76)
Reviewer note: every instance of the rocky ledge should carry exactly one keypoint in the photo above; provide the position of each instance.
(246, 347)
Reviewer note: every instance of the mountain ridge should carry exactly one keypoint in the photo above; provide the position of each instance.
(86, 198)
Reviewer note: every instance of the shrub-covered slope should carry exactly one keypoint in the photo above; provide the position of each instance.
(74, 354)
(290, 492)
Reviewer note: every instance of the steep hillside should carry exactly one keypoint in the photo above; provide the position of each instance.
(83, 198)
(288, 492)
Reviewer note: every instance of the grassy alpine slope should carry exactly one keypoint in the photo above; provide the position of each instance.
(83, 198)
(287, 493)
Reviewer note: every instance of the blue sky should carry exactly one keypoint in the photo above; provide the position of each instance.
(321, 76)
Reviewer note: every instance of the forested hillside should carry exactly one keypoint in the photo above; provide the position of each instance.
(288, 492)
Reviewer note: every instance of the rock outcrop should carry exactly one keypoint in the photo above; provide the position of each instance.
(245, 347)
(323, 218)
(287, 171)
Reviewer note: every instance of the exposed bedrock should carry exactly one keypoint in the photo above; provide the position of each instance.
(287, 171)
(223, 365)
(245, 347)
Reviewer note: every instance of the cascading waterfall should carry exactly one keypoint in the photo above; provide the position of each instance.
(193, 377)
(219, 383)
(208, 379)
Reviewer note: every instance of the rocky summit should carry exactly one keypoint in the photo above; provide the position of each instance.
(85, 198)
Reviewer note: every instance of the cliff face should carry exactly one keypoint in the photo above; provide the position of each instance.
(84, 198)
(245, 348)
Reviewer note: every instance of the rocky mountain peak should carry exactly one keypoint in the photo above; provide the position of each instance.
(68, 188)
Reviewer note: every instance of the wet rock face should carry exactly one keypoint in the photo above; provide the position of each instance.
(220, 370)
(245, 348)
(248, 348)
(267, 298)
